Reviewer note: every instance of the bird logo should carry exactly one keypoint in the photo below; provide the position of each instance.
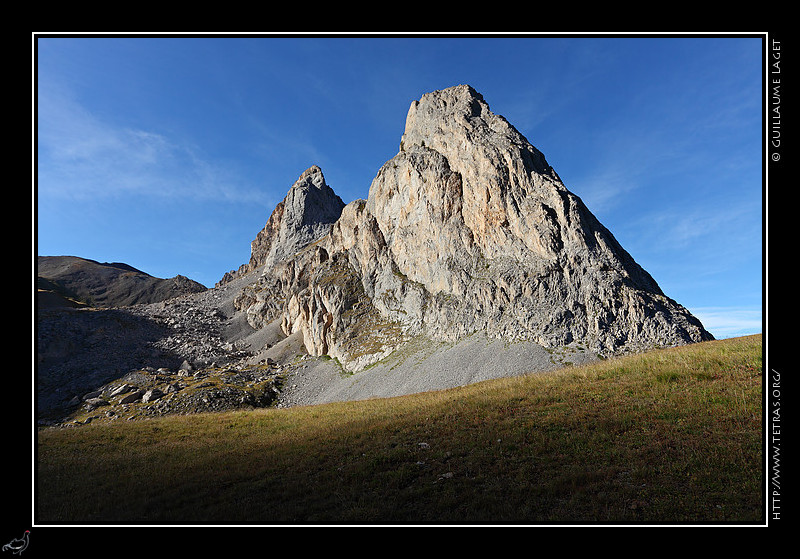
(18, 545)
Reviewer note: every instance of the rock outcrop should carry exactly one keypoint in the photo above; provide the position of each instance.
(466, 229)
(303, 216)
(149, 392)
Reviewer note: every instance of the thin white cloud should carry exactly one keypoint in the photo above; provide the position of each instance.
(81, 156)
(717, 236)
(680, 133)
(727, 322)
(606, 187)
(679, 227)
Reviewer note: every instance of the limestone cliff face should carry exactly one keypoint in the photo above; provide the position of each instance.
(310, 207)
(303, 216)
(466, 229)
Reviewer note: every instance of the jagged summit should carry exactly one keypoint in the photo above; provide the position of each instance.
(457, 116)
(303, 216)
(311, 178)
(496, 196)
(309, 209)
(467, 229)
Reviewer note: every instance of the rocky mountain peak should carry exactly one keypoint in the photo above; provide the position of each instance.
(467, 185)
(460, 106)
(466, 233)
(458, 117)
(303, 216)
(467, 229)
(311, 178)
(310, 207)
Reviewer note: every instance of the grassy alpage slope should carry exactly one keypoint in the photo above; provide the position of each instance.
(672, 435)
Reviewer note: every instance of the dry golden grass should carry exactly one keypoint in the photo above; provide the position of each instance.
(668, 436)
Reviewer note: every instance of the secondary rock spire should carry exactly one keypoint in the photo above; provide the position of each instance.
(304, 215)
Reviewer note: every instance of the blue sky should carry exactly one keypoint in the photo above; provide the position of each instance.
(169, 154)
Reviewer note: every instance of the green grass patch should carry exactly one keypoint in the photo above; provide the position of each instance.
(668, 436)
